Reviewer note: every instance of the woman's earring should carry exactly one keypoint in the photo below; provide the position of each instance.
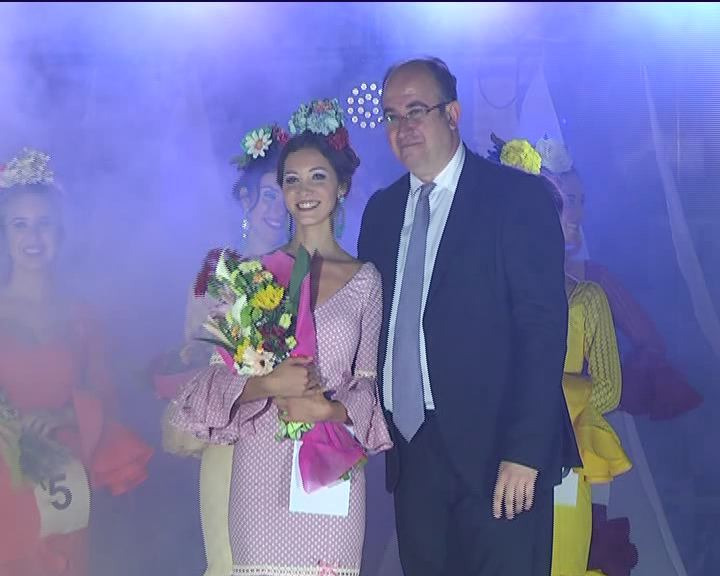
(339, 222)
(245, 226)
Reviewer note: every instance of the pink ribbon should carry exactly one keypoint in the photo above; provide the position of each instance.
(326, 569)
(328, 450)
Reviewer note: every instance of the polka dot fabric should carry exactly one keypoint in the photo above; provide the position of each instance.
(267, 539)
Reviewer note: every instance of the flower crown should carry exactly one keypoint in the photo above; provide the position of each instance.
(548, 154)
(31, 167)
(323, 117)
(259, 144)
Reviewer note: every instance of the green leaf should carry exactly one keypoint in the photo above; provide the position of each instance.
(301, 268)
(218, 335)
(216, 343)
(246, 317)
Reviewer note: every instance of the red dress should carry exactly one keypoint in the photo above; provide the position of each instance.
(67, 371)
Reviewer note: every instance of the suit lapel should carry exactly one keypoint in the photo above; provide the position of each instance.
(395, 219)
(459, 220)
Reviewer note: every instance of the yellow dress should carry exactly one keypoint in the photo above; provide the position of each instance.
(592, 384)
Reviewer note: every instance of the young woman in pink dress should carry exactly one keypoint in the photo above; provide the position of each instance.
(268, 539)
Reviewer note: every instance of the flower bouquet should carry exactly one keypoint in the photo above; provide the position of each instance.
(28, 454)
(264, 317)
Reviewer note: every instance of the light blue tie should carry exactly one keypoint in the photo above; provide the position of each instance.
(407, 383)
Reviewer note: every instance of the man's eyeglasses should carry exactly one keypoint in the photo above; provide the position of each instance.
(415, 115)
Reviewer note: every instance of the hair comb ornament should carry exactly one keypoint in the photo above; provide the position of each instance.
(31, 167)
(554, 154)
(324, 117)
(260, 144)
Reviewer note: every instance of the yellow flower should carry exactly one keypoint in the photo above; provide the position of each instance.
(285, 320)
(521, 154)
(240, 351)
(268, 298)
(291, 342)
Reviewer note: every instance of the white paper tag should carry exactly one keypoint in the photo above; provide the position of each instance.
(333, 500)
(566, 494)
(63, 501)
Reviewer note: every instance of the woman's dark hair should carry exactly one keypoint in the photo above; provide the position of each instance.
(343, 161)
(554, 192)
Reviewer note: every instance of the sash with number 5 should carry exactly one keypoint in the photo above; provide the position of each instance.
(63, 501)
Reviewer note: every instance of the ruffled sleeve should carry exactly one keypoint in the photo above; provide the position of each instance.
(652, 385)
(600, 448)
(117, 458)
(208, 406)
(120, 460)
(359, 395)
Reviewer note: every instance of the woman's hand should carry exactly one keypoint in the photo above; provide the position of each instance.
(292, 378)
(311, 408)
(44, 423)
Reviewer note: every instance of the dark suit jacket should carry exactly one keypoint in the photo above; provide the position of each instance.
(495, 321)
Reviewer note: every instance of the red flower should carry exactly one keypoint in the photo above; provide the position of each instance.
(280, 136)
(207, 270)
(339, 139)
(201, 282)
(233, 254)
(322, 106)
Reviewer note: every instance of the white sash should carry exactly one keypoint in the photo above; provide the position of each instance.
(63, 501)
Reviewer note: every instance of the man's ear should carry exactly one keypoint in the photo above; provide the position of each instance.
(452, 111)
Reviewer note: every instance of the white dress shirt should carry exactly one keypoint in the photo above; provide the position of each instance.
(441, 198)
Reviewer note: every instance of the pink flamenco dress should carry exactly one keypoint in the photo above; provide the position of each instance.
(268, 537)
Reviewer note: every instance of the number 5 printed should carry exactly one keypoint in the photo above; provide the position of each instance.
(55, 488)
(63, 500)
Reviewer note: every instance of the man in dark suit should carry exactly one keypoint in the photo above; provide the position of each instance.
(472, 343)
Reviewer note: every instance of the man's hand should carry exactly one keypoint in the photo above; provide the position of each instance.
(515, 488)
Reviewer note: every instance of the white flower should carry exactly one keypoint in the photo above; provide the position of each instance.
(221, 270)
(256, 363)
(555, 157)
(258, 142)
